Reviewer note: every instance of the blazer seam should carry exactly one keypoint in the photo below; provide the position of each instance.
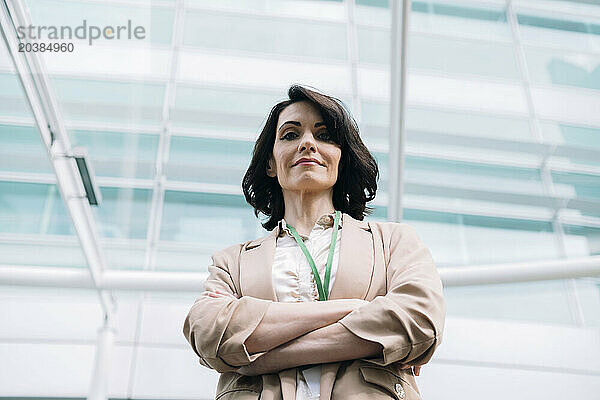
(234, 354)
(241, 389)
(220, 359)
(432, 339)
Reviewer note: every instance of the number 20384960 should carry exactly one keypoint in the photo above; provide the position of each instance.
(43, 47)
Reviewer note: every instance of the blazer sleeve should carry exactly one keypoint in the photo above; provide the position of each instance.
(217, 328)
(409, 320)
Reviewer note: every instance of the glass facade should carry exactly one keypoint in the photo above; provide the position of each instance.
(501, 165)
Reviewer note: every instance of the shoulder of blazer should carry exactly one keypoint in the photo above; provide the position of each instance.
(394, 231)
(233, 252)
(257, 242)
(225, 257)
(389, 226)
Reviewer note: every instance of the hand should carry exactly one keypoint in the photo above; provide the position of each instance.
(218, 294)
(416, 368)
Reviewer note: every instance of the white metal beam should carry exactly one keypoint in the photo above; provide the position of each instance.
(19, 275)
(352, 41)
(40, 276)
(102, 361)
(34, 79)
(521, 271)
(400, 15)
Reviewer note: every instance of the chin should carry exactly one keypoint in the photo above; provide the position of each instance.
(311, 185)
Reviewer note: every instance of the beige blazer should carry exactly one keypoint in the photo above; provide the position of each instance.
(382, 262)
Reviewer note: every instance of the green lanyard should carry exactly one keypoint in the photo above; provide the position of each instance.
(323, 294)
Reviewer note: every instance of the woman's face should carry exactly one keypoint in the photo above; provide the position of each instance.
(301, 133)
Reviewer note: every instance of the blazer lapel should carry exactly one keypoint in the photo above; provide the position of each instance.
(287, 377)
(256, 267)
(356, 262)
(328, 374)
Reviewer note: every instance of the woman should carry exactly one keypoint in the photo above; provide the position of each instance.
(381, 311)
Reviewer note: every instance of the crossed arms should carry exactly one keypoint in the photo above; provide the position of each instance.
(294, 334)
(249, 335)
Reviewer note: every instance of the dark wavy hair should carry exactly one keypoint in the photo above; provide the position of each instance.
(357, 172)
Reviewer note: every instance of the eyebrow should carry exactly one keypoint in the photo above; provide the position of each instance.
(318, 124)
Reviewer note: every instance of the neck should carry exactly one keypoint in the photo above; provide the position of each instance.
(303, 209)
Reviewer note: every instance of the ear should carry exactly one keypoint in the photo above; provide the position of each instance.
(271, 171)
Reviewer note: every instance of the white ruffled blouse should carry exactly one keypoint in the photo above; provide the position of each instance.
(293, 281)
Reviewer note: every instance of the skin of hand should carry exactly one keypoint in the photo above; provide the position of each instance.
(258, 367)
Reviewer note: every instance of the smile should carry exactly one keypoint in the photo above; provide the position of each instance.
(307, 163)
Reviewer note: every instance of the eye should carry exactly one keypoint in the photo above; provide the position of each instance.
(286, 135)
(325, 136)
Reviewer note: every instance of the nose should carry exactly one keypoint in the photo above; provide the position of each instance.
(307, 142)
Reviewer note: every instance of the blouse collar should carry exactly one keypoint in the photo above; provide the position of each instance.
(325, 221)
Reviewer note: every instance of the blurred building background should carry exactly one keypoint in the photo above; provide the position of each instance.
(501, 166)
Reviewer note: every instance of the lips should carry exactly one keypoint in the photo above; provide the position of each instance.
(307, 161)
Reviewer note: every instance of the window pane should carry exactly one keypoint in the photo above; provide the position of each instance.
(224, 70)
(584, 189)
(22, 150)
(431, 125)
(12, 102)
(457, 56)
(103, 102)
(572, 135)
(553, 29)
(460, 20)
(124, 212)
(582, 240)
(557, 67)
(222, 111)
(213, 219)
(455, 180)
(267, 35)
(462, 239)
(328, 9)
(209, 160)
(33, 208)
(576, 146)
(118, 154)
